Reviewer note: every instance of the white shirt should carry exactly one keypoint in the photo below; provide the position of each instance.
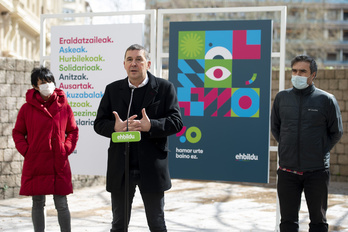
(145, 81)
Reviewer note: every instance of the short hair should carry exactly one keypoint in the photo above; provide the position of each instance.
(312, 64)
(43, 74)
(138, 47)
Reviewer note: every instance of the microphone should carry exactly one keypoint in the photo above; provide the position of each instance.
(130, 104)
(126, 176)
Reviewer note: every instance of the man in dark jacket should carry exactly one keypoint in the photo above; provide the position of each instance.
(151, 105)
(307, 123)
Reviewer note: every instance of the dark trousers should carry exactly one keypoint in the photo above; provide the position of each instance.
(315, 187)
(38, 213)
(153, 203)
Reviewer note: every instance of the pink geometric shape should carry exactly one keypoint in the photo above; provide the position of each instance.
(224, 97)
(240, 48)
(208, 99)
(245, 102)
(229, 113)
(199, 92)
(187, 107)
(180, 133)
(213, 96)
(218, 73)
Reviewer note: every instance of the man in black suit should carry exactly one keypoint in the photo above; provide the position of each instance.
(156, 114)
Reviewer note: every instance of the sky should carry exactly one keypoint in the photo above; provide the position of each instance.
(117, 5)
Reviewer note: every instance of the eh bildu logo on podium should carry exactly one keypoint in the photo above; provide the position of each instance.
(128, 136)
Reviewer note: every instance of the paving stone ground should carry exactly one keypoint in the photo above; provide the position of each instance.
(191, 206)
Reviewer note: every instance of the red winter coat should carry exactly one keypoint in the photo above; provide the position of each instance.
(45, 134)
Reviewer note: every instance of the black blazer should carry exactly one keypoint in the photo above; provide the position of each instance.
(161, 105)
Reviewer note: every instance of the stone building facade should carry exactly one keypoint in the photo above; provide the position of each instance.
(20, 24)
(15, 80)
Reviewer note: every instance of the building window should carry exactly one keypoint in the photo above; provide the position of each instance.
(292, 33)
(345, 56)
(333, 15)
(333, 34)
(331, 57)
(295, 14)
(312, 14)
(345, 35)
(68, 11)
(345, 15)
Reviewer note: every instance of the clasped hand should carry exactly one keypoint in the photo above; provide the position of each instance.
(143, 124)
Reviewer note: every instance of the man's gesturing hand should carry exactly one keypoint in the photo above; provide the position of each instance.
(120, 125)
(143, 124)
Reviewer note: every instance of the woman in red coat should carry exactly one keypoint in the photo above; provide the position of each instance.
(46, 134)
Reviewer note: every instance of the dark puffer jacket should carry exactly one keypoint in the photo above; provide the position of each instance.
(307, 124)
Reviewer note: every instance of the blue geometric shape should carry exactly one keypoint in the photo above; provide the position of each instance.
(184, 67)
(201, 76)
(196, 66)
(201, 63)
(182, 139)
(255, 102)
(185, 81)
(253, 37)
(222, 38)
(184, 94)
(197, 109)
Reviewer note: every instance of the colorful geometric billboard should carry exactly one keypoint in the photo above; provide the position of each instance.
(222, 74)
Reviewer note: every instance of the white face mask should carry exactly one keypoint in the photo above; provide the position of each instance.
(299, 82)
(47, 89)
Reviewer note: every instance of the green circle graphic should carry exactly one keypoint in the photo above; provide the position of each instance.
(191, 130)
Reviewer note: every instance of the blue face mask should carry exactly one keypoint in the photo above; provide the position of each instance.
(299, 82)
